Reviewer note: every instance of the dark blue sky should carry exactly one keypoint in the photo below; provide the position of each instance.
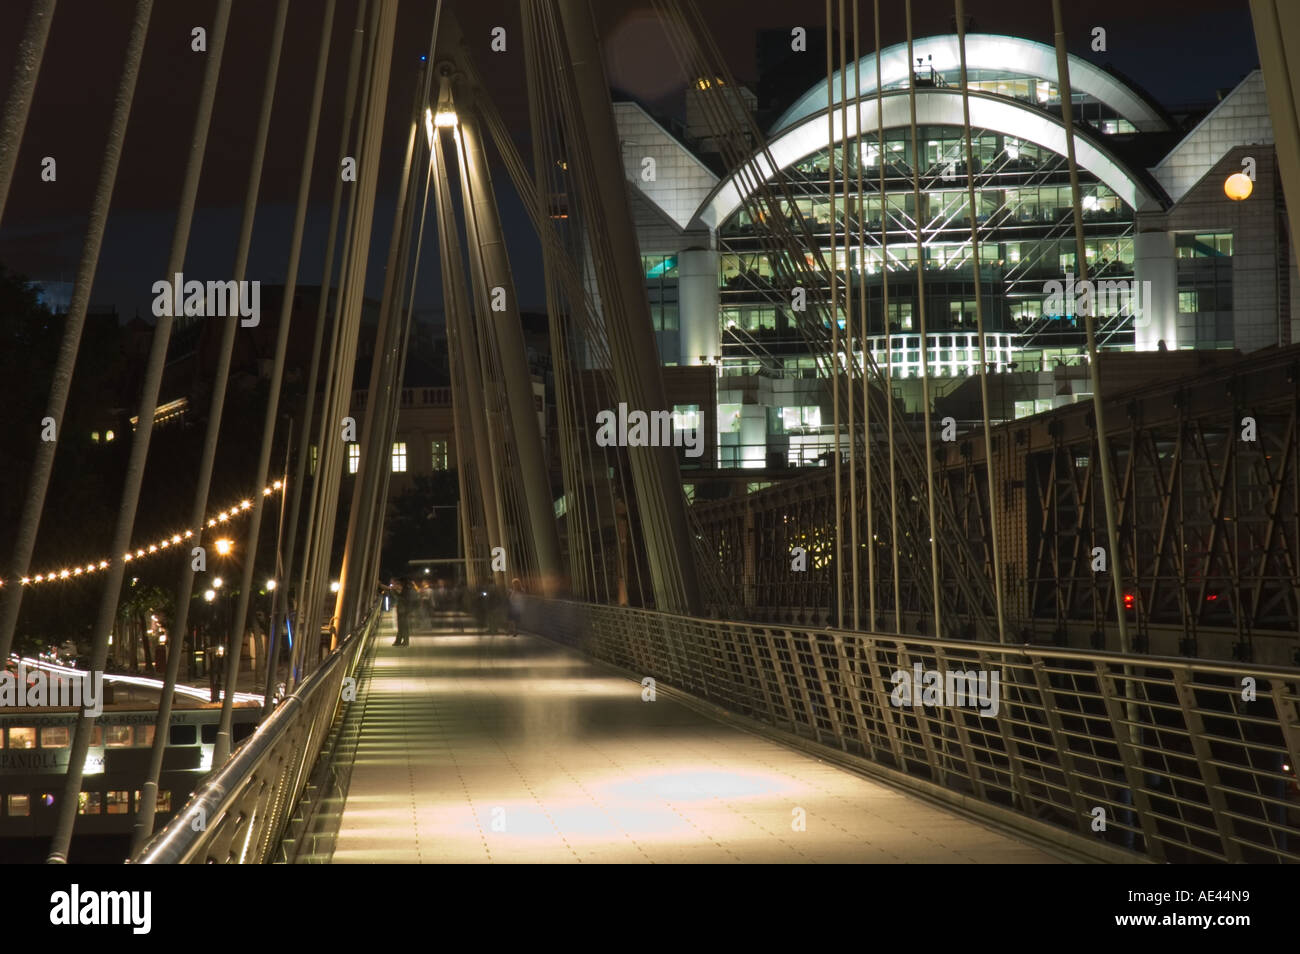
(1181, 52)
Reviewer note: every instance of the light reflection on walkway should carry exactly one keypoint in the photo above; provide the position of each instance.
(491, 748)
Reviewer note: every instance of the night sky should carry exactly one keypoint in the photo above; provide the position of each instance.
(1180, 51)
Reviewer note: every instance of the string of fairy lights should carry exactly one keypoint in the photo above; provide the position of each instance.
(144, 552)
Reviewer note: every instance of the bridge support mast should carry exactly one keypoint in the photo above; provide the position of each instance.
(488, 244)
(385, 376)
(467, 385)
(632, 344)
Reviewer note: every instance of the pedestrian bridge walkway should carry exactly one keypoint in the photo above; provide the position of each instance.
(481, 748)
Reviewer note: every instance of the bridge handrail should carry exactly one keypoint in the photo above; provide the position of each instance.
(1222, 667)
(239, 812)
(1120, 757)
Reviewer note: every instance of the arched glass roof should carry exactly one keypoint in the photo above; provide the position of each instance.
(984, 51)
(934, 107)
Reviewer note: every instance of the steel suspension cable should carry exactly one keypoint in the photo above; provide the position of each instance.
(468, 465)
(370, 569)
(374, 508)
(889, 338)
(146, 809)
(468, 474)
(655, 474)
(478, 333)
(848, 314)
(11, 597)
(817, 333)
(576, 515)
(354, 291)
(505, 328)
(596, 335)
(925, 345)
(968, 587)
(1090, 322)
(152, 381)
(995, 552)
(234, 652)
(375, 540)
(460, 334)
(502, 447)
(837, 558)
(27, 67)
(576, 287)
(819, 339)
(525, 185)
(549, 113)
(374, 455)
(338, 397)
(864, 331)
(331, 453)
(318, 337)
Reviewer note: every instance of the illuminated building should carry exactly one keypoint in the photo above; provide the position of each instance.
(1175, 264)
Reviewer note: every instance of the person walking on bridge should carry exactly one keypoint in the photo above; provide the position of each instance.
(514, 606)
(407, 606)
(425, 593)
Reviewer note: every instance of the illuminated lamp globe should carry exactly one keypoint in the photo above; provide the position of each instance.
(1238, 186)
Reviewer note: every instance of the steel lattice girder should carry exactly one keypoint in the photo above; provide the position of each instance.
(1208, 522)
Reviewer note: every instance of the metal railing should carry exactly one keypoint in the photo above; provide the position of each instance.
(238, 815)
(1118, 757)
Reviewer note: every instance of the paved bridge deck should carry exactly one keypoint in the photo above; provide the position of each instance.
(480, 748)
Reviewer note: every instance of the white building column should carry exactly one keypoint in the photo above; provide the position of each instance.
(1157, 318)
(698, 299)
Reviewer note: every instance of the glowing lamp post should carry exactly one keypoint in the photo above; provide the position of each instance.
(214, 683)
(210, 596)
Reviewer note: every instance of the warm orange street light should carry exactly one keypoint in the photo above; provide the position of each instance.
(1238, 186)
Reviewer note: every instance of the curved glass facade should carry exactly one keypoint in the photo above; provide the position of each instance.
(1174, 286)
(1023, 211)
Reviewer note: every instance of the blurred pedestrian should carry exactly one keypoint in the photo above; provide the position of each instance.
(426, 604)
(407, 606)
(514, 606)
